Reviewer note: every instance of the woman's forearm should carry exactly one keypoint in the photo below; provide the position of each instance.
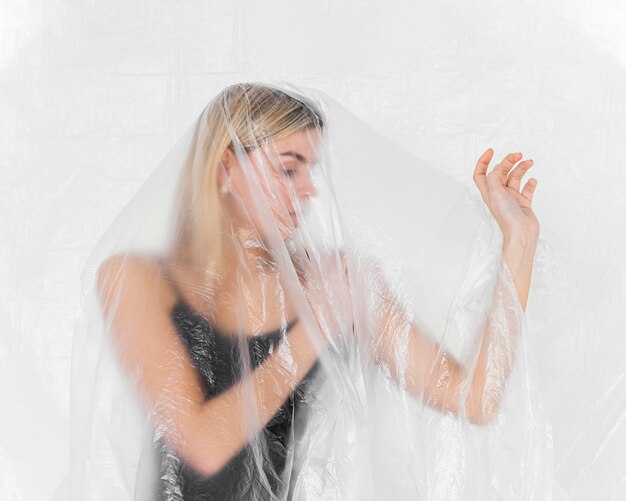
(519, 254)
(225, 424)
(501, 330)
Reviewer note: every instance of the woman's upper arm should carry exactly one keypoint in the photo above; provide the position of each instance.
(134, 303)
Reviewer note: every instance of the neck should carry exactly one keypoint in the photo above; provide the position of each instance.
(243, 250)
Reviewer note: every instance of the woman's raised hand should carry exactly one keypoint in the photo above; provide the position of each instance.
(500, 190)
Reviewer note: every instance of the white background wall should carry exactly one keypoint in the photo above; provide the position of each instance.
(93, 94)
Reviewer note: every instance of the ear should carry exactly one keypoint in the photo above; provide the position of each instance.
(227, 160)
(224, 166)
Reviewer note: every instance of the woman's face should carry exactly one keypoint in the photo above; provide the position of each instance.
(281, 180)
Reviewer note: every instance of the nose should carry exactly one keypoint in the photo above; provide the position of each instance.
(306, 189)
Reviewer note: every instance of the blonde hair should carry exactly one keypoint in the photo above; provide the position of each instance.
(242, 117)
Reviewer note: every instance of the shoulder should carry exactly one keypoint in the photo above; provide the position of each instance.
(127, 267)
(132, 272)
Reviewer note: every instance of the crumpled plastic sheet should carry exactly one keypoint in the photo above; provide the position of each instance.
(95, 96)
(243, 334)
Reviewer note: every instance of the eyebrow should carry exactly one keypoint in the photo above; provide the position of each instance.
(295, 155)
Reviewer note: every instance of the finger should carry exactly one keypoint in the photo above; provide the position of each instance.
(529, 190)
(502, 169)
(516, 175)
(480, 172)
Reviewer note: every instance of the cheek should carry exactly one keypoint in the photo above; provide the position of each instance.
(285, 196)
(274, 188)
(278, 195)
(243, 191)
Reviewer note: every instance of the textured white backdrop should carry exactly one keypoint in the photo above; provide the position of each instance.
(93, 94)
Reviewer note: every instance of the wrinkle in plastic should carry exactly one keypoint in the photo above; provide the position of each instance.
(256, 326)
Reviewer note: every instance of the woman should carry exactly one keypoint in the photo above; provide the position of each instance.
(244, 276)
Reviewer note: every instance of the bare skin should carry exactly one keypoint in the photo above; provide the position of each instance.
(512, 210)
(208, 433)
